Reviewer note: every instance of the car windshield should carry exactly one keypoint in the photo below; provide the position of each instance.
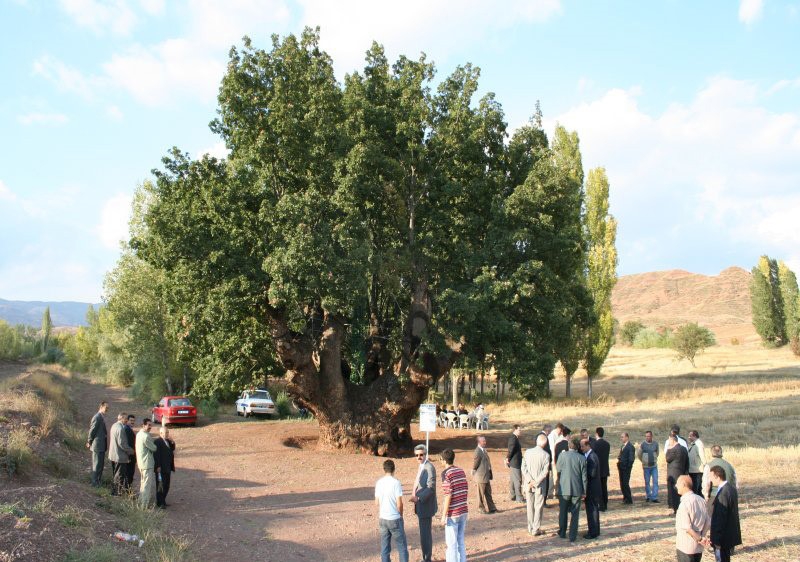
(180, 402)
(261, 394)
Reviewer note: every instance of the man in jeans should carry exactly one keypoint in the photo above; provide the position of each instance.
(389, 499)
(454, 509)
(648, 455)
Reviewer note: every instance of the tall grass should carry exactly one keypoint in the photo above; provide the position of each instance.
(148, 524)
(16, 454)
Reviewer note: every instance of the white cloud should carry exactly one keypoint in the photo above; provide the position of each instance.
(750, 11)
(218, 150)
(722, 164)
(101, 16)
(437, 28)
(6, 193)
(153, 7)
(114, 218)
(64, 77)
(36, 118)
(114, 113)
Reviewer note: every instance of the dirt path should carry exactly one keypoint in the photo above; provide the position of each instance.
(246, 490)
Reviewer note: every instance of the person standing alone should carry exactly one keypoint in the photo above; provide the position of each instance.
(389, 499)
(97, 442)
(424, 499)
(648, 455)
(514, 464)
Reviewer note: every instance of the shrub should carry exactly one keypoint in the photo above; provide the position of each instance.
(51, 355)
(74, 437)
(648, 338)
(16, 455)
(629, 331)
(283, 404)
(691, 339)
(57, 465)
(72, 516)
(209, 407)
(794, 344)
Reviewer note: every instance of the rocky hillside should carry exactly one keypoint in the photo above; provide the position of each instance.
(669, 298)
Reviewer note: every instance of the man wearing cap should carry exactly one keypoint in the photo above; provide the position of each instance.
(424, 499)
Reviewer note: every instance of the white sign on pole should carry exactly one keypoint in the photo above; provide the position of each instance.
(427, 417)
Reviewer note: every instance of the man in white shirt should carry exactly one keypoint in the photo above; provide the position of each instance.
(389, 499)
(676, 430)
(692, 522)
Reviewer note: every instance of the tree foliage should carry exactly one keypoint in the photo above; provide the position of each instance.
(601, 233)
(767, 302)
(629, 331)
(367, 237)
(690, 339)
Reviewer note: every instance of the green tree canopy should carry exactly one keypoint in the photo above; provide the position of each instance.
(690, 339)
(367, 236)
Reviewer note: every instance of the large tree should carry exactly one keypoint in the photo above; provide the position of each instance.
(601, 276)
(790, 296)
(368, 236)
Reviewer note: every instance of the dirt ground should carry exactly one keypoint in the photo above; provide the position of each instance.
(259, 489)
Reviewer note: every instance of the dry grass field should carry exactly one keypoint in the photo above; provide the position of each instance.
(745, 398)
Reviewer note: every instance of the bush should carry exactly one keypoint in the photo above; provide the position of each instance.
(283, 404)
(629, 331)
(51, 355)
(794, 344)
(648, 338)
(74, 438)
(691, 339)
(16, 454)
(209, 407)
(56, 465)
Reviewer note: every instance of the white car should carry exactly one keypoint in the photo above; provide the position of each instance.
(255, 402)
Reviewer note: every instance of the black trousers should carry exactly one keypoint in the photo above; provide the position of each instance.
(570, 505)
(683, 557)
(121, 483)
(131, 470)
(604, 488)
(425, 538)
(162, 488)
(673, 498)
(593, 515)
(722, 554)
(625, 483)
(697, 483)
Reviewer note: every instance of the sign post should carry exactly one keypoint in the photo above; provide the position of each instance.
(427, 423)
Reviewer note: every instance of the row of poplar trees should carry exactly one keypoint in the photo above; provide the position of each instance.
(365, 237)
(775, 302)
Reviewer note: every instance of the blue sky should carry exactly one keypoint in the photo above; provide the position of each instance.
(692, 107)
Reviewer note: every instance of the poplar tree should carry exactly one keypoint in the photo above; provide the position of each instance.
(791, 300)
(47, 329)
(766, 302)
(601, 271)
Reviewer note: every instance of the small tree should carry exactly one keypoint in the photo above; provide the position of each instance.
(690, 339)
(629, 331)
(47, 329)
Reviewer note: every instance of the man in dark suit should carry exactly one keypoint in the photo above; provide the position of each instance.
(726, 532)
(603, 450)
(97, 442)
(593, 490)
(514, 464)
(423, 496)
(677, 465)
(165, 465)
(571, 489)
(131, 436)
(625, 464)
(546, 429)
(482, 474)
(585, 435)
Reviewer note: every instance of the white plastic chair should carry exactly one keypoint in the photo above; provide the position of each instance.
(451, 420)
(442, 419)
(463, 421)
(484, 423)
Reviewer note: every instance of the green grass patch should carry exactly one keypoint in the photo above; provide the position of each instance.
(72, 516)
(16, 455)
(57, 466)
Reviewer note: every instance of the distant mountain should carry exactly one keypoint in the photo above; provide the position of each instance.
(30, 312)
(670, 298)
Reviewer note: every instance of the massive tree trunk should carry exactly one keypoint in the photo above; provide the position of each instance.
(374, 417)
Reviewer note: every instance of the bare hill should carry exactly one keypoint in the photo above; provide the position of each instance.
(669, 298)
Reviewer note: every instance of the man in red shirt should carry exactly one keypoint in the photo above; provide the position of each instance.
(454, 510)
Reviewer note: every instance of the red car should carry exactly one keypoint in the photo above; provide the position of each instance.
(174, 409)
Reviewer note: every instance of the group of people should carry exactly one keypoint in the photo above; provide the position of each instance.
(126, 450)
(474, 418)
(702, 494)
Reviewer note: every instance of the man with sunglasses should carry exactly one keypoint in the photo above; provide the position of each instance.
(424, 499)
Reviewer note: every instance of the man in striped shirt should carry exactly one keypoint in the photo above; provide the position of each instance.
(454, 510)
